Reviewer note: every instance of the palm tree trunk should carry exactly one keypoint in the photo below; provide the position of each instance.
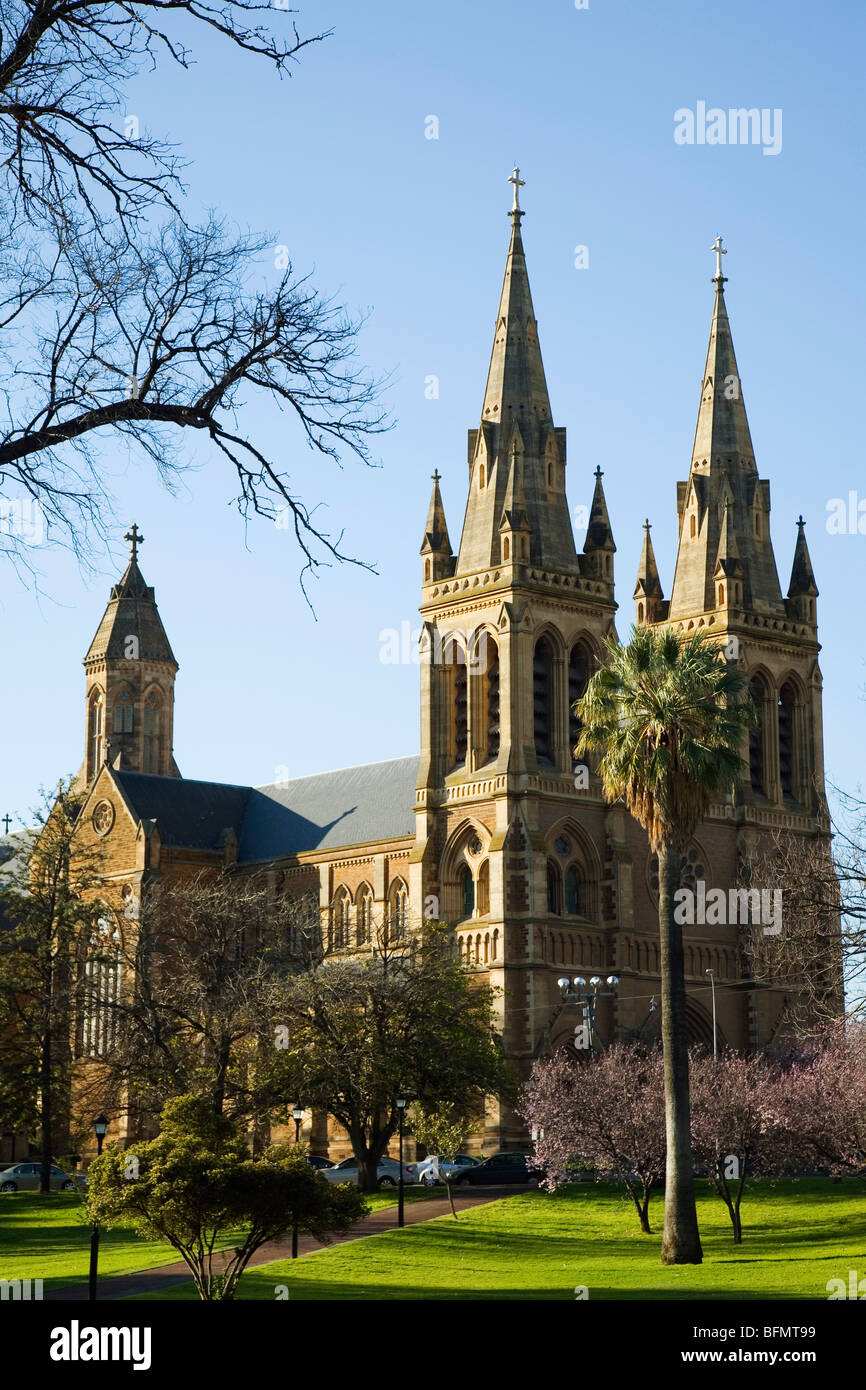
(681, 1243)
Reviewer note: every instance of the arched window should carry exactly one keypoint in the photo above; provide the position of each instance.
(691, 528)
(721, 594)
(506, 549)
(123, 713)
(758, 525)
(757, 764)
(467, 891)
(399, 910)
(426, 569)
(340, 911)
(787, 770)
(364, 915)
(640, 612)
(488, 656)
(481, 476)
(484, 889)
(542, 687)
(455, 671)
(152, 731)
(578, 679)
(101, 992)
(574, 893)
(554, 889)
(96, 732)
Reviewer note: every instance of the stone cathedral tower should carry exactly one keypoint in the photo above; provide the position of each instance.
(508, 838)
(130, 671)
(516, 845)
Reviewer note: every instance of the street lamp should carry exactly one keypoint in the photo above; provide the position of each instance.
(401, 1106)
(297, 1116)
(575, 991)
(100, 1129)
(713, 988)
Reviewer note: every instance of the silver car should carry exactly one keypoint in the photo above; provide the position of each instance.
(26, 1177)
(388, 1172)
(435, 1168)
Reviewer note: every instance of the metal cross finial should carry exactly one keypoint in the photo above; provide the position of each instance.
(646, 525)
(435, 475)
(720, 251)
(518, 184)
(7, 821)
(135, 539)
(800, 521)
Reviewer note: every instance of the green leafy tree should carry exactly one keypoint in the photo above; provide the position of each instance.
(442, 1132)
(406, 1019)
(51, 917)
(196, 1184)
(668, 713)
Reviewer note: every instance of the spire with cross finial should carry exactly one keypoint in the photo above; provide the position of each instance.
(514, 178)
(719, 251)
(135, 539)
(516, 406)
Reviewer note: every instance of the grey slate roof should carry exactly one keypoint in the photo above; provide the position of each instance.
(188, 813)
(329, 810)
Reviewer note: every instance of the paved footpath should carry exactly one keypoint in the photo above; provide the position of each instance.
(118, 1286)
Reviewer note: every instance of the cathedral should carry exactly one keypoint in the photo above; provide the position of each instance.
(493, 827)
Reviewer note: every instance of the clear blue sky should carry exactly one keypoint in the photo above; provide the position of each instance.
(334, 162)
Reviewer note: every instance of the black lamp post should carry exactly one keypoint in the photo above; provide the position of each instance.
(575, 991)
(100, 1129)
(297, 1116)
(401, 1107)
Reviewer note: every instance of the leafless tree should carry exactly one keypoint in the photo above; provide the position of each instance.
(205, 969)
(820, 953)
(117, 315)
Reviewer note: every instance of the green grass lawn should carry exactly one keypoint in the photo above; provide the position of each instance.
(798, 1234)
(46, 1237)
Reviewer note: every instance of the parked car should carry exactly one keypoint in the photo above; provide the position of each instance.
(315, 1161)
(388, 1172)
(25, 1177)
(510, 1168)
(435, 1168)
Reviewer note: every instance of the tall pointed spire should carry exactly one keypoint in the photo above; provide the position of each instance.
(598, 548)
(723, 491)
(516, 405)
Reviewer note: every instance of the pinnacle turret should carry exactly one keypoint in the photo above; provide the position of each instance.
(436, 546)
(650, 606)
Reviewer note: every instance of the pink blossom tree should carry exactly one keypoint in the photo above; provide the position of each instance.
(735, 1123)
(607, 1111)
(820, 1102)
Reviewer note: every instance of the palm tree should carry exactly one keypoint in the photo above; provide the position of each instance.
(668, 714)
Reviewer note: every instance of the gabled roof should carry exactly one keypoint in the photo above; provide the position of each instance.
(329, 810)
(188, 813)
